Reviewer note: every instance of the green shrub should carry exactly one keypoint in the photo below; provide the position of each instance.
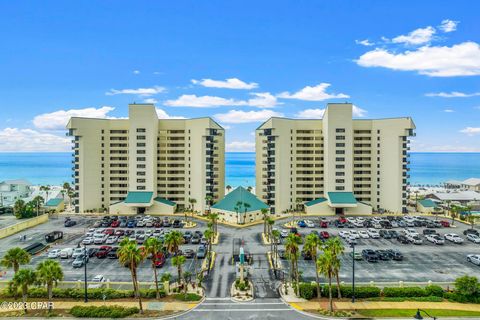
(102, 311)
(187, 297)
(433, 290)
(307, 291)
(404, 292)
(360, 292)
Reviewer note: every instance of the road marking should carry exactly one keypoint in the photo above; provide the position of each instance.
(241, 310)
(238, 303)
(208, 299)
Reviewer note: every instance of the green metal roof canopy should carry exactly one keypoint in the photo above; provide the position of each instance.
(143, 197)
(337, 198)
(165, 201)
(240, 194)
(53, 202)
(427, 203)
(314, 202)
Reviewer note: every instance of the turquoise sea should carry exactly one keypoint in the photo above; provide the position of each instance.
(55, 168)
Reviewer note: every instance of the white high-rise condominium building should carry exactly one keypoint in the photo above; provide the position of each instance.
(144, 164)
(335, 164)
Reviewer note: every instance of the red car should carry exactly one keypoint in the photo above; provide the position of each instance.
(159, 260)
(103, 251)
(324, 235)
(445, 223)
(120, 232)
(109, 231)
(342, 220)
(115, 224)
(323, 224)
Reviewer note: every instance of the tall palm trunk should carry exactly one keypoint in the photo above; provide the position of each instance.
(50, 294)
(297, 276)
(157, 294)
(330, 300)
(24, 298)
(338, 286)
(179, 270)
(317, 279)
(140, 306)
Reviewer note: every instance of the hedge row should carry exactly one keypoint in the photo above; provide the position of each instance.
(95, 294)
(309, 291)
(102, 311)
(455, 297)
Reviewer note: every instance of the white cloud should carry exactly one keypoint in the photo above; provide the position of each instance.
(261, 100)
(57, 120)
(240, 146)
(136, 71)
(23, 140)
(239, 116)
(231, 83)
(448, 110)
(162, 114)
(471, 131)
(416, 37)
(453, 94)
(145, 92)
(365, 42)
(448, 25)
(318, 113)
(315, 93)
(150, 100)
(459, 60)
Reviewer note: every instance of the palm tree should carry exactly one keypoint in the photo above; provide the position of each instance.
(249, 189)
(47, 189)
(335, 245)
(325, 266)
(23, 279)
(130, 255)
(275, 238)
(292, 250)
(19, 208)
(38, 201)
(49, 272)
(312, 242)
(237, 208)
(209, 235)
(178, 261)
(154, 246)
(228, 187)
(213, 217)
(173, 240)
(208, 201)
(264, 212)
(245, 206)
(192, 202)
(455, 210)
(14, 258)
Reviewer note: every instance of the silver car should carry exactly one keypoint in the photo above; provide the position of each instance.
(473, 237)
(474, 258)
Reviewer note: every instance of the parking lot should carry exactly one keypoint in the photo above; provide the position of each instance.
(109, 267)
(421, 262)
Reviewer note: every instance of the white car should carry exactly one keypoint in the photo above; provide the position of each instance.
(99, 238)
(474, 258)
(362, 219)
(411, 232)
(377, 225)
(351, 239)
(394, 224)
(77, 252)
(358, 223)
(473, 237)
(309, 223)
(54, 253)
(148, 223)
(415, 239)
(148, 233)
(455, 238)
(351, 219)
(140, 223)
(111, 240)
(97, 282)
(98, 231)
(435, 238)
(344, 234)
(373, 233)
(354, 234)
(132, 237)
(363, 234)
(284, 233)
(66, 253)
(88, 240)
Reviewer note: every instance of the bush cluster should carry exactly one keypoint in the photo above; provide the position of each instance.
(102, 311)
(187, 297)
(95, 294)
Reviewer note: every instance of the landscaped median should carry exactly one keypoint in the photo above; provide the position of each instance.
(212, 262)
(103, 303)
(388, 301)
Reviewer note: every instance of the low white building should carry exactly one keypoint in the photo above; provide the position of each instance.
(461, 197)
(472, 184)
(12, 190)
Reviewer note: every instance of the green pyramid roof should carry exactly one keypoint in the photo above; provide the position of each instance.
(240, 194)
(54, 202)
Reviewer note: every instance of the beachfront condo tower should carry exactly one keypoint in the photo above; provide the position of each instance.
(335, 165)
(144, 164)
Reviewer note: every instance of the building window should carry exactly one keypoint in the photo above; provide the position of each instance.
(339, 188)
(140, 158)
(340, 144)
(140, 173)
(340, 180)
(141, 130)
(338, 130)
(140, 137)
(140, 187)
(340, 159)
(340, 174)
(140, 166)
(340, 152)
(141, 180)
(340, 137)
(140, 144)
(140, 151)
(340, 166)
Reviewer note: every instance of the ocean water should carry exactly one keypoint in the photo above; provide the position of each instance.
(55, 168)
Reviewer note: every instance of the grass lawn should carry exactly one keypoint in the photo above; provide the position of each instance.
(412, 312)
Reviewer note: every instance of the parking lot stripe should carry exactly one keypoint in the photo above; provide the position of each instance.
(239, 303)
(241, 310)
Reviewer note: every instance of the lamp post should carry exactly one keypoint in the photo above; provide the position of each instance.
(353, 271)
(85, 272)
(419, 316)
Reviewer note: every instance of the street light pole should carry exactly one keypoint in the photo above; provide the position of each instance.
(353, 272)
(85, 272)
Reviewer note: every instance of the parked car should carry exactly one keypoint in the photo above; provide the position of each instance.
(363, 234)
(119, 232)
(383, 255)
(415, 239)
(189, 253)
(471, 231)
(324, 235)
(395, 254)
(77, 252)
(356, 256)
(69, 223)
(109, 231)
(79, 261)
(385, 234)
(474, 258)
(201, 252)
(115, 224)
(306, 255)
(393, 234)
(445, 223)
(91, 251)
(131, 224)
(373, 233)
(435, 238)
(176, 224)
(369, 255)
(429, 231)
(403, 239)
(323, 224)
(88, 240)
(309, 223)
(103, 251)
(284, 233)
(474, 238)
(195, 239)
(99, 238)
(54, 253)
(113, 253)
(344, 234)
(66, 253)
(302, 224)
(452, 237)
(159, 260)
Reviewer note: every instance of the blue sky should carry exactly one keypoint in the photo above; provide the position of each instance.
(240, 62)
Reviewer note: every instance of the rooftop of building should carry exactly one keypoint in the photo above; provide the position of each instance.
(235, 201)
